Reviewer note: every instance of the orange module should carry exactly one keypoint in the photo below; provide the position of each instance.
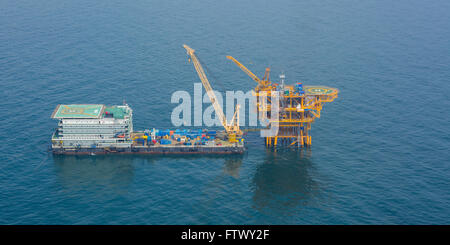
(298, 106)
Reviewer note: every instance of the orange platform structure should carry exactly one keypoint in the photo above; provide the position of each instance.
(297, 106)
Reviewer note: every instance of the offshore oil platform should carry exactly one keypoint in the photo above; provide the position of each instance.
(100, 129)
(298, 106)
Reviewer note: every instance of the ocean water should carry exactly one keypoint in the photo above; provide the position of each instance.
(380, 152)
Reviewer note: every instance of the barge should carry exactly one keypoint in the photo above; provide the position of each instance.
(100, 129)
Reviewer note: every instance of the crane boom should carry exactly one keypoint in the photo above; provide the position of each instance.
(261, 83)
(233, 128)
(253, 76)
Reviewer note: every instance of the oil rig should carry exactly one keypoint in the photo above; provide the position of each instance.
(298, 106)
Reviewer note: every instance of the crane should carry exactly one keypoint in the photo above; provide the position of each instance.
(232, 129)
(262, 83)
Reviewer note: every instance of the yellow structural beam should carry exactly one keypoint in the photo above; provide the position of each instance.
(297, 109)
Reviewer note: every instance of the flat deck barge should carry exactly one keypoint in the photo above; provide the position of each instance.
(99, 129)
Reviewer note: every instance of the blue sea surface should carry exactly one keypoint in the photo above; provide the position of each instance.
(379, 155)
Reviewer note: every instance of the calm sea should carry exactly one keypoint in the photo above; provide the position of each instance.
(380, 152)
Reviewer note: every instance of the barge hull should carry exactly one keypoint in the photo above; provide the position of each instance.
(150, 150)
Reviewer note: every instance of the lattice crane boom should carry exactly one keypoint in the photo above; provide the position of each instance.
(261, 82)
(232, 129)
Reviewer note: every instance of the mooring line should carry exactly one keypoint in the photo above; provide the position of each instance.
(41, 163)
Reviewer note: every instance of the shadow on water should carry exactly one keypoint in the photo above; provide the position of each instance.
(115, 173)
(283, 183)
(105, 174)
(232, 166)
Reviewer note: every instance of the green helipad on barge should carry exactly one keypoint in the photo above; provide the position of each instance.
(78, 111)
